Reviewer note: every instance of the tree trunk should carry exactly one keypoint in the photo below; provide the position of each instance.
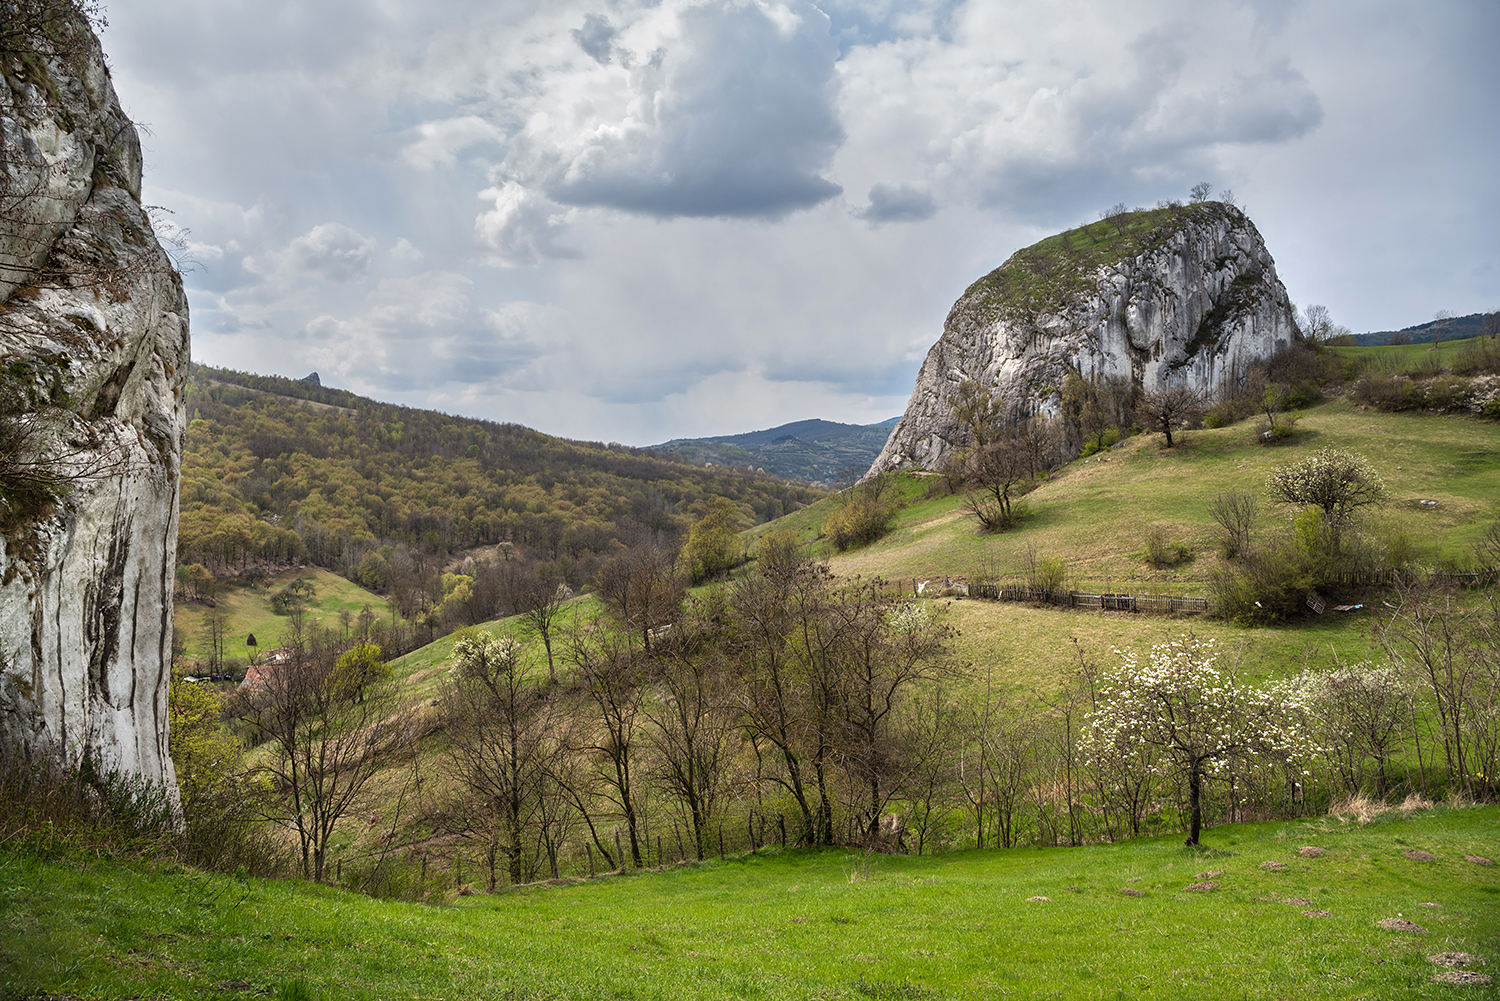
(1195, 804)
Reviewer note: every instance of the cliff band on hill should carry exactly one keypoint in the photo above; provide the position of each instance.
(93, 357)
(1184, 295)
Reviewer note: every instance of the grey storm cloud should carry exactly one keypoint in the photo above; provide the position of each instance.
(898, 203)
(746, 122)
(596, 38)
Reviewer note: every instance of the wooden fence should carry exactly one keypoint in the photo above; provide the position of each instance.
(1171, 604)
(1154, 604)
(1437, 578)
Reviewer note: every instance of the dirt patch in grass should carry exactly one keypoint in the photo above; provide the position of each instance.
(1273, 866)
(1401, 925)
(1039, 900)
(1456, 959)
(1131, 891)
(1310, 851)
(1478, 860)
(1417, 855)
(1206, 886)
(1315, 913)
(1465, 977)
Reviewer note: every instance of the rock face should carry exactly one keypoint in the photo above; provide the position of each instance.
(94, 349)
(1172, 296)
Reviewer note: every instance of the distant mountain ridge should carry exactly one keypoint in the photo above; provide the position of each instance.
(1456, 328)
(814, 451)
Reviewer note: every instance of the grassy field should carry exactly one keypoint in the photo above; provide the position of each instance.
(250, 613)
(1095, 513)
(1407, 358)
(1027, 647)
(420, 671)
(1109, 921)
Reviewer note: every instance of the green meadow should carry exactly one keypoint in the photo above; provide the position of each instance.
(1249, 917)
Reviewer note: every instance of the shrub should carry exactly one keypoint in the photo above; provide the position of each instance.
(1279, 433)
(1045, 573)
(1104, 441)
(1389, 392)
(1161, 551)
(864, 517)
(1480, 358)
(1302, 394)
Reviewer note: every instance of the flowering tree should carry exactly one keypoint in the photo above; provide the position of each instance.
(1334, 479)
(1195, 718)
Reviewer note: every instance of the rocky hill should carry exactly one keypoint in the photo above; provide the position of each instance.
(1180, 295)
(94, 347)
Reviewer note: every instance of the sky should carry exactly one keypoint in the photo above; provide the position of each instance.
(636, 220)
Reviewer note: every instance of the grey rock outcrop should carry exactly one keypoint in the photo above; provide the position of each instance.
(93, 360)
(1172, 296)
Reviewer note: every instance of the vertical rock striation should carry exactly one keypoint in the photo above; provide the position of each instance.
(1171, 296)
(93, 358)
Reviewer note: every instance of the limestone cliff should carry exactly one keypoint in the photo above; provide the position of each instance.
(94, 349)
(1172, 296)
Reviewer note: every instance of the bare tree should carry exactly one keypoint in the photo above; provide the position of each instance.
(1168, 410)
(1365, 714)
(1004, 467)
(692, 726)
(979, 413)
(499, 748)
(541, 605)
(1235, 512)
(1201, 191)
(642, 590)
(608, 678)
(882, 651)
(1440, 323)
(785, 689)
(325, 730)
(1455, 651)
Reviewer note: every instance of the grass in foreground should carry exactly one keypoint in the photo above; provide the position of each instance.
(830, 924)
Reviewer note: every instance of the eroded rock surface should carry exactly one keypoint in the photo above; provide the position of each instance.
(94, 347)
(1172, 296)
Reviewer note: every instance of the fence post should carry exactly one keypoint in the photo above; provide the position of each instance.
(660, 863)
(781, 822)
(721, 841)
(619, 852)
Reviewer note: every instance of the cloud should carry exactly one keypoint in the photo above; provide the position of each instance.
(405, 251)
(523, 228)
(330, 251)
(1040, 111)
(438, 143)
(727, 109)
(426, 329)
(596, 38)
(897, 203)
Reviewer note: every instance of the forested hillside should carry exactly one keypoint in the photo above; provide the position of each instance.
(284, 471)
